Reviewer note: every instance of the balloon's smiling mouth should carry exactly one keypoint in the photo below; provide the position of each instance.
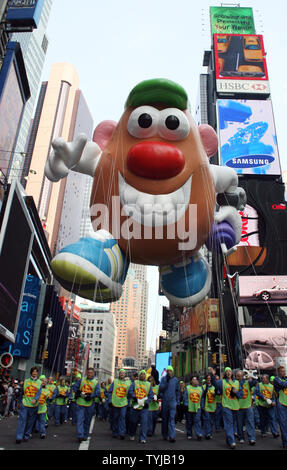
(154, 210)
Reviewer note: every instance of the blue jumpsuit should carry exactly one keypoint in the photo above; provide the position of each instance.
(85, 413)
(139, 416)
(26, 419)
(281, 384)
(118, 415)
(170, 392)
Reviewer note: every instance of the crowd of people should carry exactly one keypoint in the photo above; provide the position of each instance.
(10, 390)
(237, 403)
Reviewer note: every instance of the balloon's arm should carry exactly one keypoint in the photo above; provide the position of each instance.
(226, 187)
(80, 156)
(224, 178)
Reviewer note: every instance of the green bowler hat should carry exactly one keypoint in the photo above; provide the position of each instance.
(158, 90)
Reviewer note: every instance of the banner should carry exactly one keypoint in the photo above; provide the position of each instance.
(199, 320)
(232, 20)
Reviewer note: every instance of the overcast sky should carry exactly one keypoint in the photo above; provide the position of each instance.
(116, 44)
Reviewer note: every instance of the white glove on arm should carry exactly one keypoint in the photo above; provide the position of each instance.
(80, 156)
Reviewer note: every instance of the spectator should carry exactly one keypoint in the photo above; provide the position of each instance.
(10, 395)
(154, 373)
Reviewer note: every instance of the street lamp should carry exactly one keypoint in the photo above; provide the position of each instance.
(48, 322)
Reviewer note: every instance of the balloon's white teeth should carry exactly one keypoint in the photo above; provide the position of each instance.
(154, 210)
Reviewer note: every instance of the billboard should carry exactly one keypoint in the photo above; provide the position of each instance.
(162, 360)
(199, 320)
(231, 20)
(24, 337)
(240, 64)
(249, 251)
(264, 348)
(247, 137)
(23, 13)
(262, 289)
(16, 238)
(12, 102)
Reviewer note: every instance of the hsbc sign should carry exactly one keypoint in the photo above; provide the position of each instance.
(224, 87)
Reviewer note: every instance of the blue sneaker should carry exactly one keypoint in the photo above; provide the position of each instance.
(93, 268)
(186, 284)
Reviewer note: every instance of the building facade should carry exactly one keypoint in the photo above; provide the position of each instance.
(99, 331)
(34, 48)
(61, 112)
(131, 316)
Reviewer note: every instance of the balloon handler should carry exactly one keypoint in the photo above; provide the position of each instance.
(156, 199)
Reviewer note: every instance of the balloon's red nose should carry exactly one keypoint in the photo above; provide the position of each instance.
(155, 160)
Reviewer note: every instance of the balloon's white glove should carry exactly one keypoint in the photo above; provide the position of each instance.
(80, 156)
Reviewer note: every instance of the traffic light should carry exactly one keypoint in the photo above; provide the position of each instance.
(223, 358)
(214, 358)
(6, 360)
(45, 354)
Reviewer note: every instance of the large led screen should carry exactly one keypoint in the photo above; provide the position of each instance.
(240, 56)
(262, 290)
(11, 107)
(161, 362)
(232, 20)
(16, 239)
(247, 137)
(264, 348)
(25, 331)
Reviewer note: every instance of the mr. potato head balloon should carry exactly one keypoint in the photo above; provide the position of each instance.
(153, 198)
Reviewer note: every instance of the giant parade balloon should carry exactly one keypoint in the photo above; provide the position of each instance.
(154, 198)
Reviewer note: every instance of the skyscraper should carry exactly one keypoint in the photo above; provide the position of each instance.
(131, 316)
(61, 111)
(34, 47)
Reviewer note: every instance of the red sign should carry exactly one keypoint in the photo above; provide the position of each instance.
(69, 304)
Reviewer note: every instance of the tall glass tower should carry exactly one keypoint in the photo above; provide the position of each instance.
(34, 47)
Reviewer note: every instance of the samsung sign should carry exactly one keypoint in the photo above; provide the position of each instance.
(24, 13)
(248, 162)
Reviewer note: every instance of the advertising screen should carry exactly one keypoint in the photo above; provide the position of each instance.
(11, 107)
(161, 362)
(240, 64)
(247, 137)
(16, 239)
(232, 20)
(262, 290)
(24, 336)
(250, 229)
(199, 320)
(264, 348)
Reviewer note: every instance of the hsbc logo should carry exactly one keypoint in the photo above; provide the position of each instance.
(259, 87)
(242, 86)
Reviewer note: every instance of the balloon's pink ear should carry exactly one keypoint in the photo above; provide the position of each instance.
(209, 139)
(103, 133)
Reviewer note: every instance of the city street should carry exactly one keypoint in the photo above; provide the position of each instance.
(64, 438)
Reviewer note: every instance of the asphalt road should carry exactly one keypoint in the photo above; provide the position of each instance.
(64, 438)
